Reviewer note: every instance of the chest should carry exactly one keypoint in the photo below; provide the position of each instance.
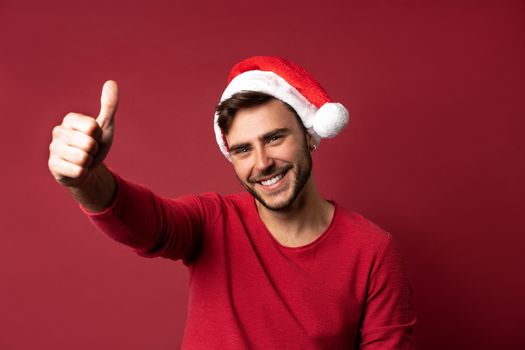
(315, 293)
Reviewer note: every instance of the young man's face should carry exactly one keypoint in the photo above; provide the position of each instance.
(270, 153)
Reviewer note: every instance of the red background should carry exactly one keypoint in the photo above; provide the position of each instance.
(434, 152)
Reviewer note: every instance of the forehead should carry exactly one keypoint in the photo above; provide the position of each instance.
(250, 123)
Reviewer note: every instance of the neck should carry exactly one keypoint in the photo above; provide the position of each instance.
(306, 219)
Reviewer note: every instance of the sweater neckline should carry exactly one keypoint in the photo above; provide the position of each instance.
(316, 241)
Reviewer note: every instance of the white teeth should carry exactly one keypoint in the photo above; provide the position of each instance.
(272, 180)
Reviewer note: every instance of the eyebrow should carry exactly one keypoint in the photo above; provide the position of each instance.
(265, 137)
(273, 133)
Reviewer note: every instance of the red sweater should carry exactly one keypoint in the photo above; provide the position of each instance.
(345, 290)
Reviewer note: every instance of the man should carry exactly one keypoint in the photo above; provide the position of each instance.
(278, 267)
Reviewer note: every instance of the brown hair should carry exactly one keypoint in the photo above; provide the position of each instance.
(227, 109)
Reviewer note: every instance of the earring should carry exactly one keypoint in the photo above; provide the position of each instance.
(313, 147)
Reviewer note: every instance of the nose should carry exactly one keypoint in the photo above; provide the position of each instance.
(263, 160)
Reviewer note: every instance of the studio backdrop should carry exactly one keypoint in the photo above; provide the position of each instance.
(433, 153)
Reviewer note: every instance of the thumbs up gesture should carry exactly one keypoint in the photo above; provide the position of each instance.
(81, 142)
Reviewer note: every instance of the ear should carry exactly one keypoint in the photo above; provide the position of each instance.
(310, 142)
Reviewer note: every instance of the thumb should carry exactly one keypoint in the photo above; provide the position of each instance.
(108, 104)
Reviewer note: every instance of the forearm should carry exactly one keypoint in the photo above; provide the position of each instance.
(97, 192)
(149, 223)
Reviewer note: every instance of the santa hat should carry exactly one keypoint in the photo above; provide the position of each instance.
(292, 84)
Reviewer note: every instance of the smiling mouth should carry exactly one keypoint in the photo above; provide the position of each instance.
(267, 182)
(272, 181)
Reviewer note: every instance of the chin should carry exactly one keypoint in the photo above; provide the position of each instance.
(277, 205)
(278, 201)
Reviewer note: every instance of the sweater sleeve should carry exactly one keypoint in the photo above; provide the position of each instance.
(389, 316)
(153, 225)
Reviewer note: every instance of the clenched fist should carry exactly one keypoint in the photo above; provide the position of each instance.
(82, 142)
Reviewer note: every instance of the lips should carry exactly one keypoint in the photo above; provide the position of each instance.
(270, 173)
(272, 181)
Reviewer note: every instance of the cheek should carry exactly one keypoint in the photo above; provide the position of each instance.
(241, 169)
(299, 153)
(296, 149)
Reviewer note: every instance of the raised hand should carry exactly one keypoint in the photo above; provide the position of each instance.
(81, 142)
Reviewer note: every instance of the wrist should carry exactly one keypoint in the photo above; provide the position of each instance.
(97, 191)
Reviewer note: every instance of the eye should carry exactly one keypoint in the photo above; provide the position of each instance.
(274, 138)
(240, 150)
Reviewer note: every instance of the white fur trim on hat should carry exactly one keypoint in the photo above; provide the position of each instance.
(271, 84)
(323, 122)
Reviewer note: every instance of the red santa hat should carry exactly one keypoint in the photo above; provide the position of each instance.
(292, 84)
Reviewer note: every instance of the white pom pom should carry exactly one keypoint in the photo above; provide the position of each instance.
(330, 119)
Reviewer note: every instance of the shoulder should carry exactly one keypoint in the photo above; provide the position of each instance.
(213, 204)
(359, 229)
(217, 199)
(373, 245)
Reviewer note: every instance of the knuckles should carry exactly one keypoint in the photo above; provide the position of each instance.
(85, 159)
(57, 131)
(74, 147)
(64, 172)
(62, 136)
(55, 148)
(70, 118)
(92, 127)
(77, 172)
(51, 165)
(82, 123)
(90, 146)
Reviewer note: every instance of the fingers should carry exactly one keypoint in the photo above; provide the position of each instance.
(69, 164)
(81, 142)
(83, 124)
(65, 172)
(73, 155)
(108, 104)
(72, 152)
(76, 139)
